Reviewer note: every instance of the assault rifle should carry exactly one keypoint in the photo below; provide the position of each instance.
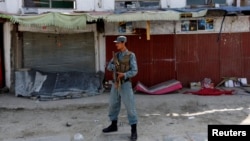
(117, 81)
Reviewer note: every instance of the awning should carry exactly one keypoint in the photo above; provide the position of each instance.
(63, 20)
(126, 16)
(94, 16)
(5, 16)
(144, 16)
(196, 13)
(236, 10)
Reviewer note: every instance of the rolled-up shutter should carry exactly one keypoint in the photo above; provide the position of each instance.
(59, 52)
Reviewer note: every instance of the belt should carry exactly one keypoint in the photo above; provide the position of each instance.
(125, 80)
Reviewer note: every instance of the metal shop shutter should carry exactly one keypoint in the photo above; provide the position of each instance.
(59, 52)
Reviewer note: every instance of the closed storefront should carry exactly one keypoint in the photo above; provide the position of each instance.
(59, 52)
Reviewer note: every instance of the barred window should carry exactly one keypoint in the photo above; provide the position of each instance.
(137, 4)
(202, 2)
(70, 4)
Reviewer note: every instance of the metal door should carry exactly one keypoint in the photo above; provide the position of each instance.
(59, 52)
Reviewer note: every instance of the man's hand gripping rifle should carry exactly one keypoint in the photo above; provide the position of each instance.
(117, 80)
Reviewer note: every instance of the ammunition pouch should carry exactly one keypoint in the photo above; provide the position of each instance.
(124, 63)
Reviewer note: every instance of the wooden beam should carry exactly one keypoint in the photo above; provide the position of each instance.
(2, 20)
(148, 30)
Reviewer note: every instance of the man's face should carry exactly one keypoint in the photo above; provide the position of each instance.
(119, 45)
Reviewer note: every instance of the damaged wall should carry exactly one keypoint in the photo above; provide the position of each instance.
(232, 24)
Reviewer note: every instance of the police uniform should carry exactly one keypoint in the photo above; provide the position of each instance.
(127, 65)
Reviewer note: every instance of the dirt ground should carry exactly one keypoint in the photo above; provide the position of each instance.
(159, 115)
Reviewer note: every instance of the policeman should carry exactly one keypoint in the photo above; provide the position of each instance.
(126, 69)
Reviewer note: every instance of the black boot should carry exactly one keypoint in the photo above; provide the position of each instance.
(133, 133)
(111, 128)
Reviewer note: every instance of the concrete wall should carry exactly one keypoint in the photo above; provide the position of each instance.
(7, 52)
(176, 4)
(85, 5)
(104, 5)
(13, 6)
(16, 6)
(95, 5)
(2, 6)
(231, 24)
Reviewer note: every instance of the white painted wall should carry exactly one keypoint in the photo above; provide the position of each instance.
(95, 5)
(13, 6)
(104, 5)
(173, 3)
(234, 24)
(2, 6)
(157, 27)
(102, 52)
(16, 6)
(108, 5)
(85, 5)
(231, 24)
(7, 47)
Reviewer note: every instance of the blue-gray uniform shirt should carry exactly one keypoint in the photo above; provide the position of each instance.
(125, 93)
(133, 64)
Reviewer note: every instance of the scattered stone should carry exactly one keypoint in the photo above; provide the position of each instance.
(74, 117)
(68, 124)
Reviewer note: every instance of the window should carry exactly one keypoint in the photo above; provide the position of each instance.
(202, 2)
(197, 25)
(70, 4)
(137, 4)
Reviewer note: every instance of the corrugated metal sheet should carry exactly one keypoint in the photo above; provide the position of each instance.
(231, 55)
(59, 52)
(163, 58)
(198, 56)
(141, 47)
(187, 58)
(209, 65)
(246, 54)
